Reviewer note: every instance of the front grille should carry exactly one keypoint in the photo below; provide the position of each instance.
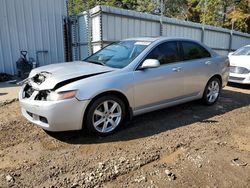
(235, 78)
(40, 95)
(33, 85)
(28, 91)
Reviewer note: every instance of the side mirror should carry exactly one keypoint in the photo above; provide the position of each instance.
(150, 63)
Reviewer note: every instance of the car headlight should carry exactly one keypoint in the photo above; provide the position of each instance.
(239, 70)
(54, 96)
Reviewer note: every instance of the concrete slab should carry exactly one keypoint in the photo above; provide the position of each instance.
(8, 91)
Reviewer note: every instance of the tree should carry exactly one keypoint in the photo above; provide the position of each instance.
(176, 9)
(220, 13)
(240, 15)
(77, 6)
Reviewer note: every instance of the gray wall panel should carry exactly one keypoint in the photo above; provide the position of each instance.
(216, 39)
(83, 29)
(113, 24)
(239, 41)
(117, 27)
(31, 25)
(171, 30)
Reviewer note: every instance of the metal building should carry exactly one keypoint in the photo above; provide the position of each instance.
(102, 25)
(32, 25)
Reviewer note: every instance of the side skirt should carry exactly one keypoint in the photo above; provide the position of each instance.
(167, 103)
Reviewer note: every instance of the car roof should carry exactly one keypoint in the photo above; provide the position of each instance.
(153, 39)
(161, 39)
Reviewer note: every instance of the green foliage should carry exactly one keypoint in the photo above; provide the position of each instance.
(220, 13)
(240, 16)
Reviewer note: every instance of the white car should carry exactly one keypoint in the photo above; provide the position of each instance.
(240, 65)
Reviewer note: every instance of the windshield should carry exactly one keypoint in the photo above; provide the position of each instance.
(118, 54)
(243, 51)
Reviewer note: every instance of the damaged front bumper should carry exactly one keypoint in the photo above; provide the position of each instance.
(62, 115)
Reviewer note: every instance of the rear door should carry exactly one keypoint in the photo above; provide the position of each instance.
(197, 67)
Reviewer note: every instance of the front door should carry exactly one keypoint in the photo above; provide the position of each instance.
(163, 84)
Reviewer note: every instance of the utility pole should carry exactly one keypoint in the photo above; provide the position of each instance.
(161, 17)
(89, 27)
(236, 2)
(204, 11)
(203, 21)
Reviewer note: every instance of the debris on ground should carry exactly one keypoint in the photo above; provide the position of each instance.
(238, 162)
(10, 179)
(8, 102)
(171, 176)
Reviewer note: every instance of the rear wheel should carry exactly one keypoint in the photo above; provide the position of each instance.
(105, 115)
(212, 91)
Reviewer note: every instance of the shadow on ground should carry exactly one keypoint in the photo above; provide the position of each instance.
(163, 120)
(7, 85)
(240, 86)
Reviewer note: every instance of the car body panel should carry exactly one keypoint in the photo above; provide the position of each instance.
(157, 84)
(196, 74)
(119, 81)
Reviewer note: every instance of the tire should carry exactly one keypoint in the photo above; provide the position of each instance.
(212, 91)
(105, 115)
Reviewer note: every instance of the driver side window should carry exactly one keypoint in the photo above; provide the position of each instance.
(166, 52)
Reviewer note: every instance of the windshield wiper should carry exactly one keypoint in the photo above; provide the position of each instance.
(97, 62)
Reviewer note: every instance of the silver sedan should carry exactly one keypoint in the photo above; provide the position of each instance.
(124, 79)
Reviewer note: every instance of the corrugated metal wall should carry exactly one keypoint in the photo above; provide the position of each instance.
(110, 24)
(79, 36)
(32, 25)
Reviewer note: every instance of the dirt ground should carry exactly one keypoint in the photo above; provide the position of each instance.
(8, 92)
(189, 145)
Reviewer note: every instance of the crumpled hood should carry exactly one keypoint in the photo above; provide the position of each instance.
(57, 73)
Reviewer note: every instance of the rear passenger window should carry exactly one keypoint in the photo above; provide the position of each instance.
(194, 51)
(166, 53)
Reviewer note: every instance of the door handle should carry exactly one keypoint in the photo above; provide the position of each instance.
(177, 69)
(208, 62)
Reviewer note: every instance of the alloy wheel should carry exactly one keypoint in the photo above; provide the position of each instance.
(213, 91)
(107, 116)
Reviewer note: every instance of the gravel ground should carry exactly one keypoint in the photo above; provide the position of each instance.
(8, 92)
(189, 145)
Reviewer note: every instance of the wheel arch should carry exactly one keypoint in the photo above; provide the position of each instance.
(120, 95)
(214, 76)
(217, 76)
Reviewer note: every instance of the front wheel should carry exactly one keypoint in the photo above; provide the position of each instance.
(212, 91)
(105, 115)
